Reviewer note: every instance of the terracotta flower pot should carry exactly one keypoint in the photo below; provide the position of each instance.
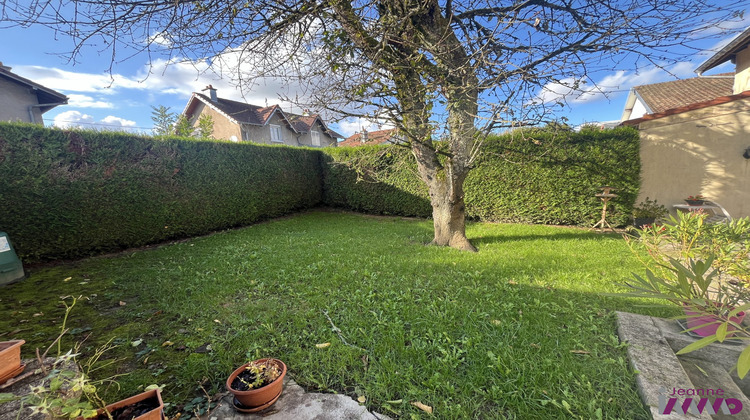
(155, 414)
(10, 359)
(708, 322)
(260, 398)
(695, 202)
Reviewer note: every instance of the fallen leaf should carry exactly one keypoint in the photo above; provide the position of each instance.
(217, 321)
(394, 402)
(580, 352)
(512, 282)
(38, 314)
(136, 343)
(322, 345)
(362, 399)
(167, 343)
(423, 407)
(122, 303)
(536, 346)
(67, 278)
(497, 322)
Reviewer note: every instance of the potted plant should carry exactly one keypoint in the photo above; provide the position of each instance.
(708, 303)
(695, 200)
(257, 385)
(66, 392)
(147, 405)
(702, 268)
(10, 359)
(647, 212)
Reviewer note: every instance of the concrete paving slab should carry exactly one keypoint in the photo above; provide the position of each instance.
(720, 354)
(707, 375)
(296, 404)
(654, 360)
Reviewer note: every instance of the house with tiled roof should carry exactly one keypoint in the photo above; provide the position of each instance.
(367, 138)
(24, 100)
(239, 121)
(695, 133)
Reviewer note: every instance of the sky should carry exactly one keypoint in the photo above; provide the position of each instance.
(123, 98)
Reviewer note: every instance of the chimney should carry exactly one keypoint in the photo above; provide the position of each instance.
(363, 136)
(211, 92)
(2, 67)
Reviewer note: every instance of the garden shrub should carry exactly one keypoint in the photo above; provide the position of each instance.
(528, 176)
(68, 194)
(374, 179)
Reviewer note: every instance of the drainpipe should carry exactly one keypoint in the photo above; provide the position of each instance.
(31, 109)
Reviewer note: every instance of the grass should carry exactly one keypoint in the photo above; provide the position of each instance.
(518, 330)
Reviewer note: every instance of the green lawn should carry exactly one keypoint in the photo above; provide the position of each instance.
(518, 330)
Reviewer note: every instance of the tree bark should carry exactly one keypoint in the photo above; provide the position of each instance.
(445, 186)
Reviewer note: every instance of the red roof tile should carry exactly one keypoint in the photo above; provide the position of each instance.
(661, 97)
(373, 137)
(691, 107)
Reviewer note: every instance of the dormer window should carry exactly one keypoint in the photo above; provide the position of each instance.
(315, 136)
(276, 133)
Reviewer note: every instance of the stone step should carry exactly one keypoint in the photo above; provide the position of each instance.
(711, 376)
(658, 369)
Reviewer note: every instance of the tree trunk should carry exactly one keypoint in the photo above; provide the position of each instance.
(446, 189)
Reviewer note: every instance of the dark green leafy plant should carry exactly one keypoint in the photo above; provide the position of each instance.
(699, 266)
(649, 209)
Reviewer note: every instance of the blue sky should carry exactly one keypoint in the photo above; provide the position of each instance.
(123, 99)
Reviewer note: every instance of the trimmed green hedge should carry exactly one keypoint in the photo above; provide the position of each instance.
(67, 194)
(374, 179)
(528, 176)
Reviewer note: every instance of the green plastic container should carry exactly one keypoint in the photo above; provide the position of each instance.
(11, 269)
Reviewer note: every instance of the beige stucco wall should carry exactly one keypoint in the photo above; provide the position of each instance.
(15, 101)
(698, 152)
(224, 129)
(742, 71)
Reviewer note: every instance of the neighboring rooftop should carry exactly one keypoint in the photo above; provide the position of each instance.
(660, 97)
(369, 138)
(727, 53)
(244, 113)
(45, 96)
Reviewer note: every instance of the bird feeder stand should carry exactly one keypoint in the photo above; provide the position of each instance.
(605, 196)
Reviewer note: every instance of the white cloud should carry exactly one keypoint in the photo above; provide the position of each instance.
(70, 119)
(579, 91)
(160, 38)
(73, 119)
(116, 122)
(349, 126)
(84, 101)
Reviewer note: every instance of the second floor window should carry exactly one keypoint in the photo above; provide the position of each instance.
(276, 133)
(315, 138)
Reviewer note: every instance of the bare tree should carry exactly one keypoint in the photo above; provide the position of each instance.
(454, 69)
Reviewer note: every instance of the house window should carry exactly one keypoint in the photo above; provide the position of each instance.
(315, 138)
(276, 133)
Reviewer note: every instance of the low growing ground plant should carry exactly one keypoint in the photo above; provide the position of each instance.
(358, 305)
